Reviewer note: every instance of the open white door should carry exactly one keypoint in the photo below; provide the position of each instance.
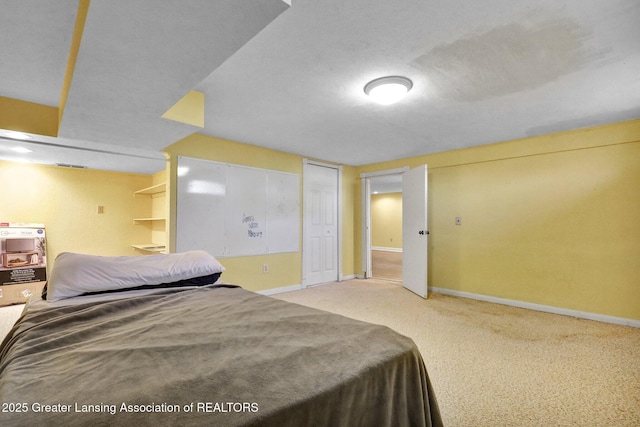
(414, 230)
(366, 229)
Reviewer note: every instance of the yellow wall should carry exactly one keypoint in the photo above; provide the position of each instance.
(551, 220)
(386, 220)
(66, 201)
(29, 117)
(284, 269)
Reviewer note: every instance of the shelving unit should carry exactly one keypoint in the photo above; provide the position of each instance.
(147, 219)
(156, 232)
(151, 247)
(154, 189)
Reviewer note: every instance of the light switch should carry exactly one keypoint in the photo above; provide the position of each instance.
(458, 220)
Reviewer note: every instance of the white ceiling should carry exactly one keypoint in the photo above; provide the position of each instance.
(483, 72)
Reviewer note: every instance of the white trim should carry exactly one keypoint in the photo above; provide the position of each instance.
(347, 277)
(539, 307)
(339, 219)
(306, 161)
(315, 285)
(292, 288)
(280, 290)
(382, 248)
(396, 171)
(366, 227)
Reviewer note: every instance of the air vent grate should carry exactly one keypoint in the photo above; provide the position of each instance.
(67, 165)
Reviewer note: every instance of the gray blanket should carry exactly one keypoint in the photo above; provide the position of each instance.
(216, 356)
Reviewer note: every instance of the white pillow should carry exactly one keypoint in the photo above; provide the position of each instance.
(75, 274)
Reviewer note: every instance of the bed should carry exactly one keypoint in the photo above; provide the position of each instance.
(167, 348)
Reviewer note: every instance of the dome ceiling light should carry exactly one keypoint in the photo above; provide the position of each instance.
(388, 90)
(16, 135)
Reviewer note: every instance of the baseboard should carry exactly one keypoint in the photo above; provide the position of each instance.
(382, 248)
(539, 307)
(299, 287)
(280, 290)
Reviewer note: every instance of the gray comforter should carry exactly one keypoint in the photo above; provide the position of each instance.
(218, 356)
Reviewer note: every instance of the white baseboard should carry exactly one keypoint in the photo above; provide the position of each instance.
(382, 248)
(280, 290)
(539, 307)
(299, 287)
(504, 301)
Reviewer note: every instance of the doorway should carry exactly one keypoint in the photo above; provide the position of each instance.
(386, 227)
(375, 185)
(413, 186)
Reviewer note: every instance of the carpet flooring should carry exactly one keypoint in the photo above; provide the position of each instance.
(496, 365)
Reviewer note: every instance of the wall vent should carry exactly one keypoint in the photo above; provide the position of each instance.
(67, 165)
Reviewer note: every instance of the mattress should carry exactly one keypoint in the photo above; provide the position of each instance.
(210, 355)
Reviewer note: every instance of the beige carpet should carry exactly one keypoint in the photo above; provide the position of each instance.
(494, 365)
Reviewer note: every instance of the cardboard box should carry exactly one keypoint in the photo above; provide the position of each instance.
(19, 294)
(23, 262)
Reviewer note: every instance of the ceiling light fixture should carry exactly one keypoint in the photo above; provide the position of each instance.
(21, 150)
(16, 135)
(388, 90)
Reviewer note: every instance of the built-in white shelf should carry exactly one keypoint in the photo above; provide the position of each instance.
(155, 224)
(148, 219)
(151, 247)
(154, 189)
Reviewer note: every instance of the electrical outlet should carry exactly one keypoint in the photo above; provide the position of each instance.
(265, 268)
(458, 220)
(100, 209)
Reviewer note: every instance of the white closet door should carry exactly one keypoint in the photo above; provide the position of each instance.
(320, 246)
